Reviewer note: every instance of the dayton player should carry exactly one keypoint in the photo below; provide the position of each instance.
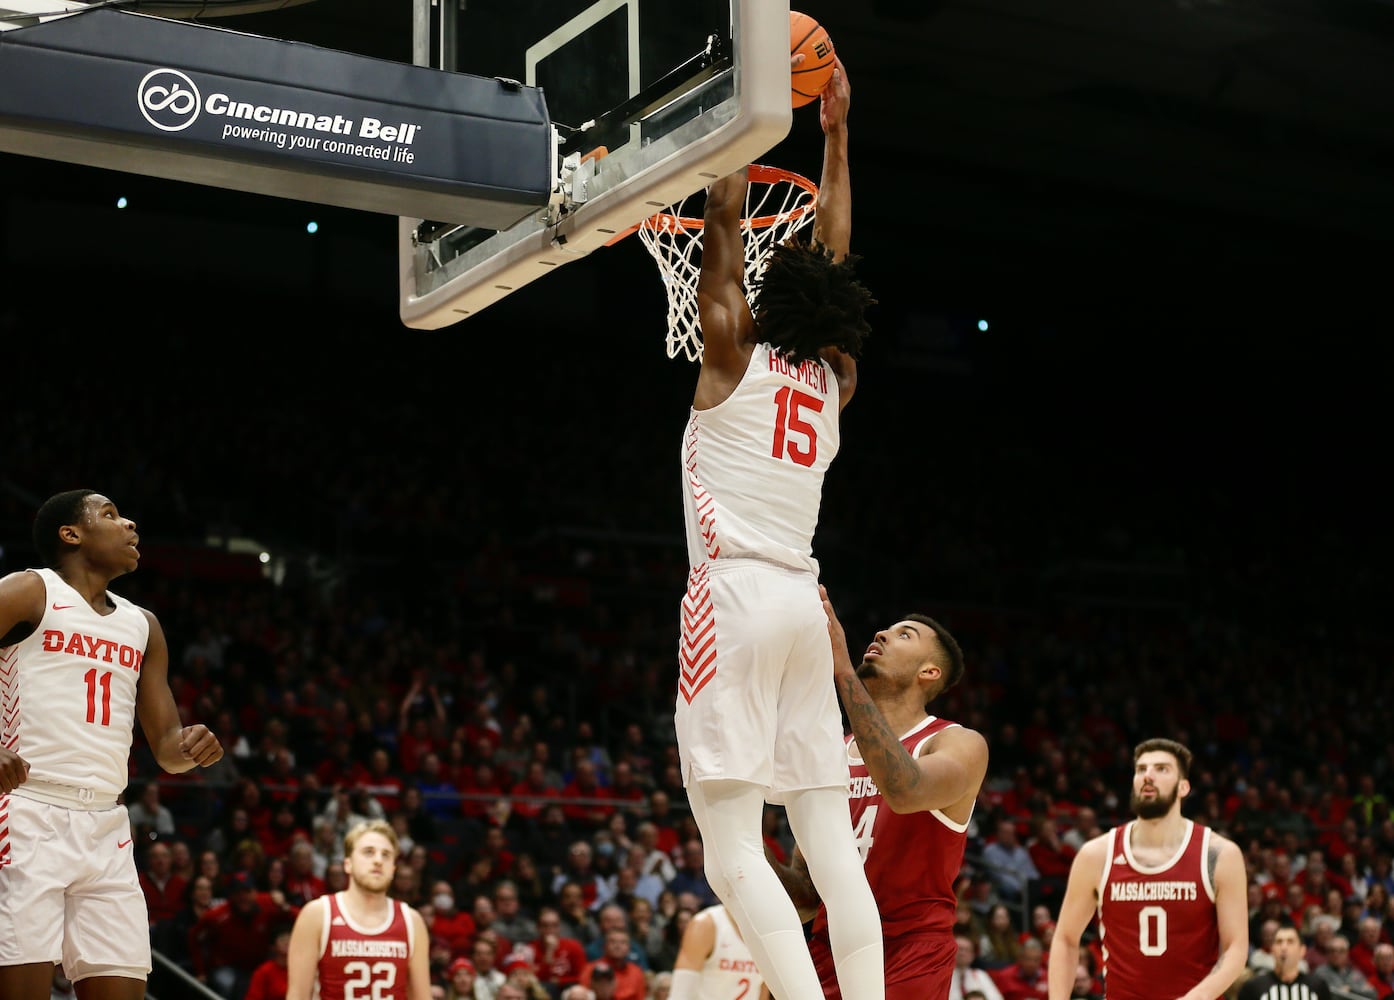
(78, 665)
(914, 781)
(1171, 895)
(358, 943)
(756, 716)
(714, 962)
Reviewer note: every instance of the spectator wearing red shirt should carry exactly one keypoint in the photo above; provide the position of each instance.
(1026, 977)
(285, 829)
(269, 981)
(1052, 857)
(231, 940)
(534, 785)
(625, 788)
(585, 784)
(451, 924)
(661, 816)
(379, 781)
(558, 959)
(630, 983)
(164, 890)
(484, 790)
(302, 885)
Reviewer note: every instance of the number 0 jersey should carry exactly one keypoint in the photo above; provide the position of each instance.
(753, 465)
(68, 694)
(359, 962)
(912, 861)
(1158, 926)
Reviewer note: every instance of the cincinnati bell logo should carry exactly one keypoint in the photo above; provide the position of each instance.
(168, 99)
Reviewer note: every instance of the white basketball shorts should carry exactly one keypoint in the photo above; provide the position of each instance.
(755, 688)
(69, 891)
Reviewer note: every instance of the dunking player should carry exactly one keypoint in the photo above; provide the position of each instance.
(756, 716)
(915, 778)
(358, 942)
(1171, 895)
(78, 665)
(713, 962)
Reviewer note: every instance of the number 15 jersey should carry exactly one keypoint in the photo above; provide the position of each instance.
(1158, 926)
(753, 464)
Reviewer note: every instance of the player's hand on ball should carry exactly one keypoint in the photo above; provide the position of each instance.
(198, 744)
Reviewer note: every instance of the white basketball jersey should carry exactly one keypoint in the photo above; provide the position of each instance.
(68, 691)
(753, 465)
(730, 972)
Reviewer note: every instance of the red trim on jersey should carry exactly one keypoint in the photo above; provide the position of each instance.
(697, 651)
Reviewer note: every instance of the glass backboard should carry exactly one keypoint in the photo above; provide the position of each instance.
(650, 101)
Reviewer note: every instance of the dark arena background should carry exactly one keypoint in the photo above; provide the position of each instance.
(1123, 425)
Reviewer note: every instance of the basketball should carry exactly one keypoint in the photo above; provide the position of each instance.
(810, 77)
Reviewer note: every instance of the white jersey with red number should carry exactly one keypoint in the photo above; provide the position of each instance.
(729, 972)
(753, 465)
(357, 962)
(68, 692)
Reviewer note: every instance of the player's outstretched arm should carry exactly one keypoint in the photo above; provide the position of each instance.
(728, 327)
(1076, 911)
(302, 958)
(697, 943)
(419, 965)
(832, 225)
(177, 747)
(1232, 913)
(951, 772)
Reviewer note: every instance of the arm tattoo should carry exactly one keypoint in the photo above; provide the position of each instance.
(1212, 861)
(892, 768)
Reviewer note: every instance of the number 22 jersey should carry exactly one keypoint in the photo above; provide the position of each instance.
(364, 962)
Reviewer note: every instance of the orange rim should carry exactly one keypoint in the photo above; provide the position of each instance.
(760, 174)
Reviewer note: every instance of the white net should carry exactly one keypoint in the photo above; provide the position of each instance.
(778, 204)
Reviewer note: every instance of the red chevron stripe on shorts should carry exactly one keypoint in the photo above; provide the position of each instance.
(697, 650)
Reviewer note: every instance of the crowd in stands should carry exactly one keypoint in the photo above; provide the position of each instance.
(467, 623)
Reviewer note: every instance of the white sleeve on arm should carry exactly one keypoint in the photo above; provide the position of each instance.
(687, 984)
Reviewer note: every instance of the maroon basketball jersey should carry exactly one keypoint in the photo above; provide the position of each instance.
(911, 863)
(1158, 927)
(364, 961)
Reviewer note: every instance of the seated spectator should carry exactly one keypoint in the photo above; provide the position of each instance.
(1383, 979)
(270, 981)
(557, 957)
(691, 875)
(1008, 864)
(967, 976)
(149, 816)
(302, 884)
(488, 976)
(450, 923)
(460, 979)
(1026, 977)
(620, 981)
(611, 918)
(1052, 858)
(1362, 950)
(1339, 974)
(164, 891)
(1001, 943)
(509, 918)
(232, 939)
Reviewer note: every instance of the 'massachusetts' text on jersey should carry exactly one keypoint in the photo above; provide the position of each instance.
(1158, 926)
(357, 961)
(729, 971)
(912, 861)
(753, 465)
(68, 693)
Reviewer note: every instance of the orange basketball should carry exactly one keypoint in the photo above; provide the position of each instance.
(810, 77)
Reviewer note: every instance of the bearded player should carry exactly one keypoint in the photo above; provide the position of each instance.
(914, 781)
(1171, 895)
(360, 943)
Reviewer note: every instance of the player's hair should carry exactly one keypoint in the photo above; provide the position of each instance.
(805, 301)
(58, 510)
(950, 659)
(1177, 750)
(371, 826)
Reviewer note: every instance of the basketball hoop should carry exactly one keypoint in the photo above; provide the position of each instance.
(778, 203)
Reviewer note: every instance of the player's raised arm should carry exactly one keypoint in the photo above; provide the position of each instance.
(728, 328)
(1076, 911)
(832, 226)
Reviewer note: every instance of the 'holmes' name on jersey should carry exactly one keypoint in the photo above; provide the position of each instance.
(811, 373)
(1122, 892)
(103, 650)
